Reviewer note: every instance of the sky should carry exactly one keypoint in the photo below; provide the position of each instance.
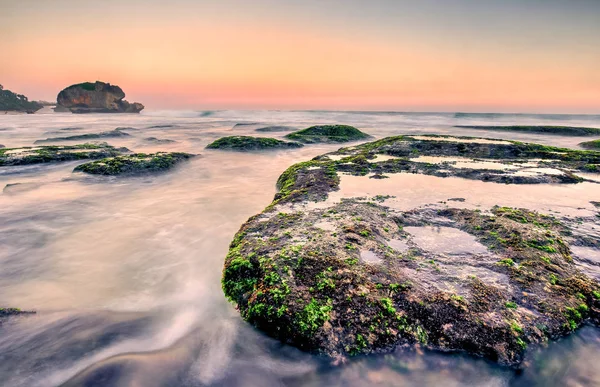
(430, 55)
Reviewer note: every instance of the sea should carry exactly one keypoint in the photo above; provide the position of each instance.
(124, 272)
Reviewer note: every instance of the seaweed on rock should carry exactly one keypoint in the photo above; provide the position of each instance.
(137, 163)
(328, 133)
(249, 143)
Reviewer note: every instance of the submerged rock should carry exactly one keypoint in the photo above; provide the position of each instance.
(89, 136)
(159, 140)
(248, 143)
(47, 154)
(358, 277)
(98, 97)
(328, 133)
(13, 102)
(8, 312)
(591, 144)
(137, 163)
(276, 128)
(557, 130)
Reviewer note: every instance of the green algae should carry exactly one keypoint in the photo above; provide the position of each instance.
(328, 133)
(47, 154)
(137, 163)
(249, 143)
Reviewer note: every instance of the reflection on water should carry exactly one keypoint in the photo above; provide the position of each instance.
(125, 272)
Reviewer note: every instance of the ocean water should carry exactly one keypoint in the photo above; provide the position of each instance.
(124, 273)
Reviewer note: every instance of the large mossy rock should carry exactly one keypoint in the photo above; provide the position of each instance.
(348, 278)
(134, 164)
(328, 134)
(98, 97)
(47, 154)
(13, 102)
(249, 143)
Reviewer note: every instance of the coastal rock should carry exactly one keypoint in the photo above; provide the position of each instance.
(328, 134)
(159, 140)
(544, 129)
(84, 137)
(98, 97)
(13, 102)
(9, 312)
(595, 144)
(47, 154)
(134, 164)
(275, 128)
(359, 277)
(248, 143)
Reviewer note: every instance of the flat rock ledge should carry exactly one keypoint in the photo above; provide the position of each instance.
(350, 278)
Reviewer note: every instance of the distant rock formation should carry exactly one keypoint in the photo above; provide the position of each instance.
(98, 97)
(12, 102)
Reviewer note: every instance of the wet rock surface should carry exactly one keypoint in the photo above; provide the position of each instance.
(557, 130)
(249, 143)
(47, 154)
(328, 134)
(134, 164)
(89, 136)
(357, 276)
(276, 128)
(98, 97)
(155, 140)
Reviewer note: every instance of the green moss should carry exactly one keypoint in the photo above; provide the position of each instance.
(137, 163)
(249, 143)
(506, 262)
(89, 86)
(510, 305)
(47, 154)
(595, 144)
(328, 133)
(388, 305)
(516, 327)
(313, 316)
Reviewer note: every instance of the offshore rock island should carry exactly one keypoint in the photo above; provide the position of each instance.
(98, 97)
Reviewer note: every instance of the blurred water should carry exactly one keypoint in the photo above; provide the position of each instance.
(125, 272)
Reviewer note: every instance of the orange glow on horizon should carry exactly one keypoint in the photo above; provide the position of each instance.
(216, 66)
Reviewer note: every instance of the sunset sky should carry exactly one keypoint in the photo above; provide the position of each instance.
(403, 55)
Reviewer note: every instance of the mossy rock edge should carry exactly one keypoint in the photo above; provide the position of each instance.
(249, 143)
(328, 134)
(134, 164)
